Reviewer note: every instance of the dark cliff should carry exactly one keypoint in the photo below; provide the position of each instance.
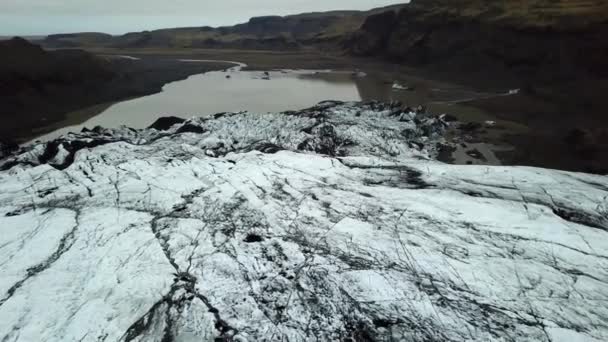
(35, 83)
(542, 40)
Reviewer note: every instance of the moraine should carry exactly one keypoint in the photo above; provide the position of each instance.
(334, 223)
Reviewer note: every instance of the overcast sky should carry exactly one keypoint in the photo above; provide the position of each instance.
(32, 17)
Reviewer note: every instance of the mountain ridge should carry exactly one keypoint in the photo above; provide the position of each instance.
(283, 32)
(550, 43)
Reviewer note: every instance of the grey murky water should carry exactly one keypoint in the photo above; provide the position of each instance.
(231, 91)
(235, 90)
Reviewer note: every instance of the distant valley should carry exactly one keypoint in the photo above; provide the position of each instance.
(537, 40)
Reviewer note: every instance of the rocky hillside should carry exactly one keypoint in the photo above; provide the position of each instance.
(35, 83)
(333, 223)
(540, 39)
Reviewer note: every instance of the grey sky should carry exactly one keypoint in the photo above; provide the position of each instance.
(29, 17)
